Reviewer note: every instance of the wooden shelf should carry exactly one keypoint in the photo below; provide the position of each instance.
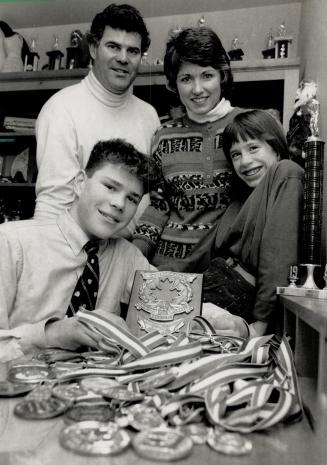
(37, 80)
(286, 69)
(305, 321)
(11, 135)
(16, 184)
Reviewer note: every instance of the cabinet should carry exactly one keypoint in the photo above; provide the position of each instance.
(305, 321)
(268, 83)
(18, 173)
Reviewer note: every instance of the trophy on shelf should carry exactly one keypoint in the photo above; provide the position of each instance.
(313, 148)
(236, 53)
(31, 58)
(282, 42)
(55, 56)
(269, 51)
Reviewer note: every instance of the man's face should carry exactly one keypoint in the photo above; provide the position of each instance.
(107, 201)
(117, 57)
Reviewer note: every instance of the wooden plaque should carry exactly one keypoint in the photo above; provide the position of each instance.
(164, 301)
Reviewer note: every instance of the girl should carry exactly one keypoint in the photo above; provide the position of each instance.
(249, 253)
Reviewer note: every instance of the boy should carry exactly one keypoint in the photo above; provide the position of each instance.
(42, 261)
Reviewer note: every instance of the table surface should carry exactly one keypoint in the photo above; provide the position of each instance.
(35, 442)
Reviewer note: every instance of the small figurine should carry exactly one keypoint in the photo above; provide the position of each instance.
(304, 123)
(282, 30)
(201, 22)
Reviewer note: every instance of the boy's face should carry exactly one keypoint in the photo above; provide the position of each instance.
(107, 201)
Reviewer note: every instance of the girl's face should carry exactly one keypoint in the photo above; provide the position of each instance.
(198, 87)
(251, 160)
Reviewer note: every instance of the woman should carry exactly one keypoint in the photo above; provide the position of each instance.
(247, 255)
(195, 178)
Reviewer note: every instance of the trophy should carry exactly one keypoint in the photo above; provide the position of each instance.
(31, 58)
(55, 56)
(282, 43)
(269, 51)
(313, 148)
(236, 53)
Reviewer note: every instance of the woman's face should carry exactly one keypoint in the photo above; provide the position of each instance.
(251, 160)
(198, 87)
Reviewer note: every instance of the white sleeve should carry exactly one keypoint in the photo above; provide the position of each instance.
(57, 157)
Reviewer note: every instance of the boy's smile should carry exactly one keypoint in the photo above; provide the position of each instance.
(107, 200)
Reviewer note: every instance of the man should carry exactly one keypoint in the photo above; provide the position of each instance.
(101, 106)
(42, 261)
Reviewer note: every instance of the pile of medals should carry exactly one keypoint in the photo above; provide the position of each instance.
(160, 395)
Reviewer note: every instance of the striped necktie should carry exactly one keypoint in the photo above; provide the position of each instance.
(86, 290)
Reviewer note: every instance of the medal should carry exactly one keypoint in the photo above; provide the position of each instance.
(162, 444)
(143, 417)
(122, 394)
(12, 389)
(198, 432)
(99, 411)
(98, 384)
(28, 373)
(33, 409)
(229, 443)
(94, 438)
(73, 392)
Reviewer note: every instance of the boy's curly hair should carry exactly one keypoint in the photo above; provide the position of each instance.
(118, 151)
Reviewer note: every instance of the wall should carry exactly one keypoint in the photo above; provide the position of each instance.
(313, 42)
(226, 23)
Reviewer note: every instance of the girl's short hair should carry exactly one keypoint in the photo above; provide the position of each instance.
(256, 124)
(201, 46)
(253, 124)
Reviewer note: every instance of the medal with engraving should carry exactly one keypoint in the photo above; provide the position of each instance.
(143, 417)
(33, 409)
(98, 384)
(94, 438)
(162, 444)
(90, 411)
(12, 389)
(74, 392)
(28, 373)
(198, 432)
(229, 443)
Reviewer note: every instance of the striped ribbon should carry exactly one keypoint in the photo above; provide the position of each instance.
(250, 385)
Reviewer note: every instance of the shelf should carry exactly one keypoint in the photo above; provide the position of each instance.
(38, 80)
(16, 184)
(10, 136)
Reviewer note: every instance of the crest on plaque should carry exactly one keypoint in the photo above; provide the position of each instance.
(163, 301)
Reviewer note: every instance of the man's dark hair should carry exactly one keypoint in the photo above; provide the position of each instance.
(124, 17)
(200, 46)
(120, 152)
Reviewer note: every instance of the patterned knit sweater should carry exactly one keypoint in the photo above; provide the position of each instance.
(193, 189)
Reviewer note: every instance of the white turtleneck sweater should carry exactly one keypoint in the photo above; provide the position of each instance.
(69, 125)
